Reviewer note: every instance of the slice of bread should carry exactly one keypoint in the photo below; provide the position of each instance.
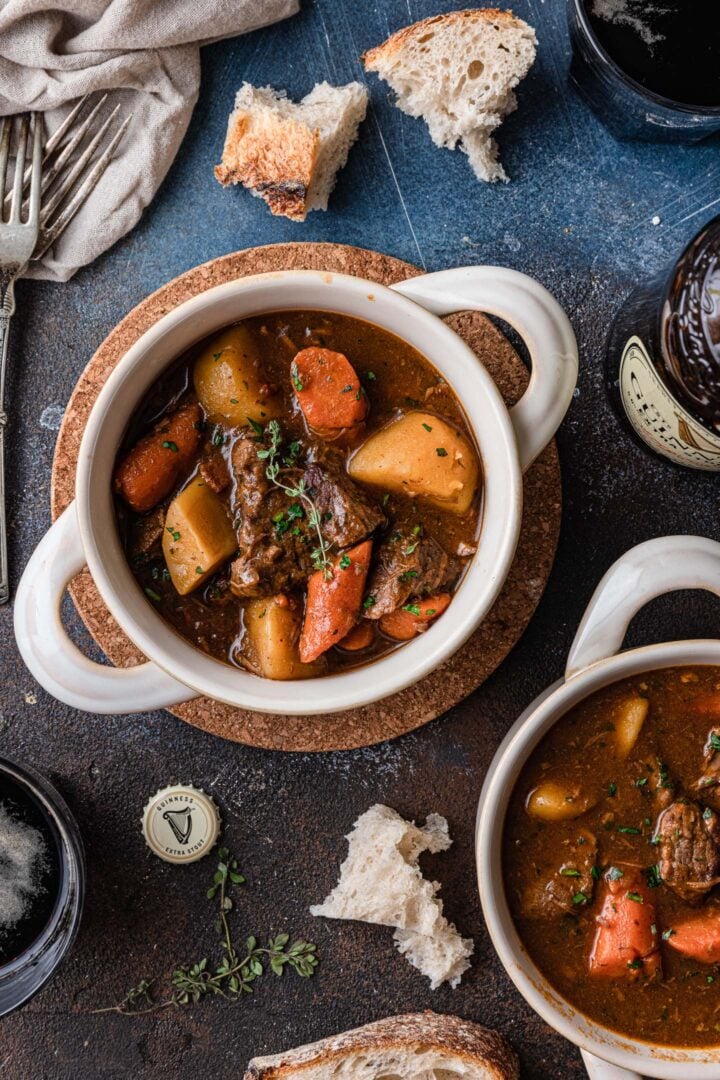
(289, 154)
(457, 71)
(380, 882)
(418, 1046)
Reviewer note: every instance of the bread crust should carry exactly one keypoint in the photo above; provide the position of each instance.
(396, 42)
(462, 1039)
(274, 156)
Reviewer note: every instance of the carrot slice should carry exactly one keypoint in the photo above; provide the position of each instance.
(152, 469)
(328, 390)
(698, 937)
(707, 705)
(333, 602)
(360, 637)
(405, 622)
(626, 944)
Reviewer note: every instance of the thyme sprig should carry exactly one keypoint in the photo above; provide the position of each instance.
(272, 455)
(239, 966)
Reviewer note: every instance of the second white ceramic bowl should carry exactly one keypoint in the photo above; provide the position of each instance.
(655, 567)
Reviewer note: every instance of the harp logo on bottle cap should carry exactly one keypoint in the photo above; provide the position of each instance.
(181, 823)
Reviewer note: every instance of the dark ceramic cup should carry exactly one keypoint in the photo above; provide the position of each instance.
(27, 971)
(626, 107)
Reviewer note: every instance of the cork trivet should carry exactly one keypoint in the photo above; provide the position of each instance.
(500, 630)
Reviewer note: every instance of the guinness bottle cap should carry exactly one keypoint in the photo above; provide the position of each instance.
(181, 823)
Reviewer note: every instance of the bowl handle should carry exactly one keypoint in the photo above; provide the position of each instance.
(603, 1070)
(540, 321)
(646, 571)
(56, 663)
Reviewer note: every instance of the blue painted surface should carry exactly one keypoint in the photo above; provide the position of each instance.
(578, 214)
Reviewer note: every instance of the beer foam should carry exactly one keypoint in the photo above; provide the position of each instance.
(23, 858)
(633, 14)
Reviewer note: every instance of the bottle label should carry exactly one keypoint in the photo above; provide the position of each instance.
(658, 418)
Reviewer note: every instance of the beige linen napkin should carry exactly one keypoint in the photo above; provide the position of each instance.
(145, 53)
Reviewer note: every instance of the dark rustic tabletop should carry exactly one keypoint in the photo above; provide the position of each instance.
(585, 215)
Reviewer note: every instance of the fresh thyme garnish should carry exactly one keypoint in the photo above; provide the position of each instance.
(239, 966)
(273, 470)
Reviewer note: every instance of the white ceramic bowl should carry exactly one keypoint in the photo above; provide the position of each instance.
(86, 532)
(646, 571)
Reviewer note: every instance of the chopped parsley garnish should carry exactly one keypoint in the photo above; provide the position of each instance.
(408, 575)
(595, 873)
(345, 561)
(630, 830)
(295, 376)
(667, 934)
(636, 897)
(579, 898)
(174, 533)
(169, 445)
(346, 389)
(568, 871)
(368, 602)
(234, 401)
(410, 548)
(612, 791)
(427, 427)
(441, 451)
(218, 436)
(216, 355)
(385, 499)
(652, 876)
(641, 782)
(635, 964)
(152, 594)
(199, 570)
(257, 428)
(714, 740)
(414, 609)
(370, 376)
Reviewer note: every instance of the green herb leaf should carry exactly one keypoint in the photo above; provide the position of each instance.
(441, 451)
(169, 445)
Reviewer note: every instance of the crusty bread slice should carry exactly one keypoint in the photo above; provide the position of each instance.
(289, 154)
(380, 882)
(457, 71)
(417, 1046)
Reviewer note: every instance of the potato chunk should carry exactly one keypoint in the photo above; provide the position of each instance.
(273, 628)
(198, 536)
(554, 801)
(229, 380)
(628, 725)
(420, 455)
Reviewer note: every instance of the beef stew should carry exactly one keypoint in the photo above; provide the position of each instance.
(611, 857)
(299, 494)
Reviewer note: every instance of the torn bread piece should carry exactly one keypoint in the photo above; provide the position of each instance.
(380, 882)
(417, 1046)
(289, 154)
(457, 72)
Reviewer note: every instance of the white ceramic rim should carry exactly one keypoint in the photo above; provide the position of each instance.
(202, 315)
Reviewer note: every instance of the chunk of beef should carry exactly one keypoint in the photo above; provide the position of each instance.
(689, 855)
(408, 565)
(214, 471)
(564, 889)
(146, 535)
(348, 515)
(272, 556)
(707, 786)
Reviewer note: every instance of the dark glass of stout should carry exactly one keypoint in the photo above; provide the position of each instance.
(649, 68)
(663, 357)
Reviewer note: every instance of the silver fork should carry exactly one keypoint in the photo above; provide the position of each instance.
(18, 240)
(53, 199)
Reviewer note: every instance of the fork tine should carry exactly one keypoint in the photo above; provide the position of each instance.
(78, 167)
(16, 204)
(51, 174)
(53, 142)
(4, 154)
(58, 135)
(51, 231)
(36, 171)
